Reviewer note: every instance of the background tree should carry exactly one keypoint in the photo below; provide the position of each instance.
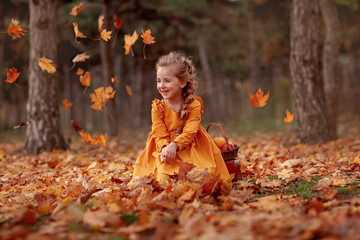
(307, 88)
(44, 133)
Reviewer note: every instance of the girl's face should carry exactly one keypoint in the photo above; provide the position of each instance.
(169, 86)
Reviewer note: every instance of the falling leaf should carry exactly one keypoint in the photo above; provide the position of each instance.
(76, 10)
(22, 124)
(47, 64)
(15, 30)
(101, 96)
(100, 140)
(80, 71)
(67, 104)
(11, 75)
(147, 39)
(289, 117)
(128, 90)
(81, 57)
(75, 126)
(106, 35)
(259, 100)
(129, 41)
(114, 79)
(85, 79)
(117, 22)
(101, 22)
(78, 34)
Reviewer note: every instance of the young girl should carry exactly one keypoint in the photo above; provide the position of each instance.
(176, 131)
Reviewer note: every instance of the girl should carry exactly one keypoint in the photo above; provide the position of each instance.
(176, 131)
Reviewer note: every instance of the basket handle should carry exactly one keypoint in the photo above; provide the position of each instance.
(214, 124)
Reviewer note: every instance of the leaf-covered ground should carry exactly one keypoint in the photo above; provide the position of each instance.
(286, 190)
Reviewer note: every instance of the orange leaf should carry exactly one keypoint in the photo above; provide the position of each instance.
(12, 74)
(47, 64)
(85, 79)
(80, 57)
(106, 35)
(117, 22)
(78, 34)
(147, 38)
(184, 168)
(100, 140)
(289, 117)
(67, 104)
(80, 71)
(76, 10)
(101, 96)
(129, 41)
(259, 100)
(15, 30)
(114, 79)
(128, 90)
(101, 22)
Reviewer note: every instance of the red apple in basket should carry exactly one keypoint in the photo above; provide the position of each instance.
(227, 146)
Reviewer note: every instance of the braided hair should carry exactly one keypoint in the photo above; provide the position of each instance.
(184, 71)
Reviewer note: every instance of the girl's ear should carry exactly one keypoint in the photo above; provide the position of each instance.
(183, 84)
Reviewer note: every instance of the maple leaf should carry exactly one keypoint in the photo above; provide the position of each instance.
(289, 117)
(101, 96)
(80, 71)
(67, 104)
(117, 22)
(128, 90)
(47, 64)
(106, 35)
(15, 30)
(78, 34)
(76, 126)
(76, 10)
(184, 167)
(80, 57)
(114, 80)
(11, 75)
(101, 22)
(100, 140)
(259, 99)
(129, 41)
(147, 39)
(85, 79)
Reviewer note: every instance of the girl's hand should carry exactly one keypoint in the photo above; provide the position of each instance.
(168, 152)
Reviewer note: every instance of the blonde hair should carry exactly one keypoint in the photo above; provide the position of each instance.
(184, 71)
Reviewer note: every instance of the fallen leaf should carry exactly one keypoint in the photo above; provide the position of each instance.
(67, 104)
(47, 64)
(100, 140)
(101, 96)
(15, 30)
(11, 75)
(129, 41)
(339, 182)
(78, 34)
(85, 79)
(289, 117)
(106, 35)
(259, 99)
(76, 10)
(128, 90)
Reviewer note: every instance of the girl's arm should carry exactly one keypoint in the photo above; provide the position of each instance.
(192, 125)
(162, 136)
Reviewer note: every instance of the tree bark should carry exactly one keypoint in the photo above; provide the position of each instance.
(43, 133)
(330, 58)
(108, 71)
(307, 87)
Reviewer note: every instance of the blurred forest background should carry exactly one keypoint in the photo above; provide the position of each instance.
(238, 46)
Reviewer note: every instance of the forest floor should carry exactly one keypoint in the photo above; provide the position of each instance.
(286, 190)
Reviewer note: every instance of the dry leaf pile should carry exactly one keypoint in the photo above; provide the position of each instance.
(286, 191)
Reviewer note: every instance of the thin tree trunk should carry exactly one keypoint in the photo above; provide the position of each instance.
(330, 58)
(2, 66)
(254, 68)
(307, 89)
(108, 71)
(43, 133)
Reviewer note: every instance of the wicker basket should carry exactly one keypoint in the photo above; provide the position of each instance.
(227, 154)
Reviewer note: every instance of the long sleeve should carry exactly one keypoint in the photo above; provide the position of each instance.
(162, 136)
(192, 124)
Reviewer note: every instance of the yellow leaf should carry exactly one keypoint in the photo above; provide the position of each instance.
(339, 182)
(78, 34)
(100, 140)
(147, 38)
(47, 64)
(289, 117)
(101, 96)
(106, 35)
(129, 41)
(85, 79)
(357, 159)
(259, 99)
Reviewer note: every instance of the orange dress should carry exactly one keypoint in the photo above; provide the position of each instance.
(195, 144)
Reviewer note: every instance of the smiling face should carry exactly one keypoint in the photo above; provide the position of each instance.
(169, 86)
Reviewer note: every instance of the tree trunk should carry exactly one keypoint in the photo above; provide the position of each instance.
(307, 88)
(108, 71)
(330, 59)
(43, 133)
(2, 65)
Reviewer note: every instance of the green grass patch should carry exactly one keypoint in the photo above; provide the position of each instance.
(303, 188)
(130, 218)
